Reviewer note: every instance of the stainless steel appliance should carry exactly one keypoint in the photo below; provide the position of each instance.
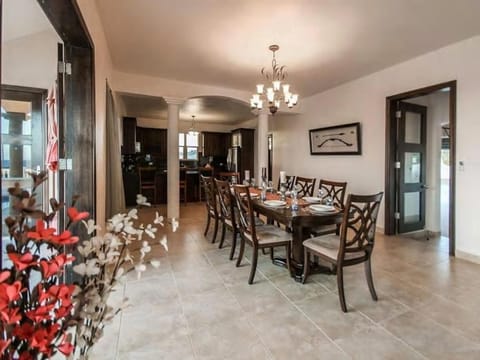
(233, 159)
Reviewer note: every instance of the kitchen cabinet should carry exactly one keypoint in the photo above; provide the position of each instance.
(215, 143)
(129, 135)
(153, 142)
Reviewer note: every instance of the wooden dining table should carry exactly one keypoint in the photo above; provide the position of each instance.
(300, 222)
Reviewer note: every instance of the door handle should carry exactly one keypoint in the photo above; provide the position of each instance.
(426, 187)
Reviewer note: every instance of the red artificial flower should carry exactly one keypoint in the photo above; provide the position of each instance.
(26, 355)
(4, 275)
(40, 313)
(63, 311)
(75, 216)
(66, 348)
(24, 331)
(41, 341)
(55, 266)
(11, 316)
(63, 293)
(41, 232)
(9, 293)
(65, 238)
(22, 261)
(4, 344)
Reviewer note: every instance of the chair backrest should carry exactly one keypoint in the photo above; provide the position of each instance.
(335, 190)
(210, 197)
(227, 176)
(246, 217)
(290, 180)
(146, 176)
(305, 186)
(226, 200)
(359, 224)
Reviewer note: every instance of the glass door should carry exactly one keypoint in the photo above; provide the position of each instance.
(22, 144)
(411, 159)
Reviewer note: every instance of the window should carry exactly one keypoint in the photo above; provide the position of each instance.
(188, 146)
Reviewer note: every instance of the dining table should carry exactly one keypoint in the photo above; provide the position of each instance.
(299, 221)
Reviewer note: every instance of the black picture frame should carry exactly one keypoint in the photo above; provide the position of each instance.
(342, 139)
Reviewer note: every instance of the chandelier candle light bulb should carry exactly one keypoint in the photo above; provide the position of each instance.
(273, 94)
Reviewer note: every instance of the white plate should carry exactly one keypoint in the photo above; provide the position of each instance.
(322, 208)
(311, 200)
(275, 203)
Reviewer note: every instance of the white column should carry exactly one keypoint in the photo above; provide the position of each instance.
(173, 162)
(262, 142)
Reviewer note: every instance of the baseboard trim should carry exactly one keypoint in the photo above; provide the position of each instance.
(467, 256)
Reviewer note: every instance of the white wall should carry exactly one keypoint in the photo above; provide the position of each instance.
(31, 60)
(103, 71)
(363, 100)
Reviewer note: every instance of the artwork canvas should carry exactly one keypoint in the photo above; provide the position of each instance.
(336, 140)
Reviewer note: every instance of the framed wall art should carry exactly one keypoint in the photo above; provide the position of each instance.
(336, 140)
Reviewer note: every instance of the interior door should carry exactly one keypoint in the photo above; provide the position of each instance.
(411, 163)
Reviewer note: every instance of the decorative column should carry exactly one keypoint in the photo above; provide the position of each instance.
(173, 162)
(262, 142)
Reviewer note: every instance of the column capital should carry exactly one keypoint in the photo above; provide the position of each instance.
(174, 100)
(263, 111)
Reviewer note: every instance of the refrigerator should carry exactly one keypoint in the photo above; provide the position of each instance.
(233, 159)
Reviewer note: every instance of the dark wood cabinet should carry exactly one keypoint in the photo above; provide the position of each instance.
(129, 135)
(216, 143)
(245, 139)
(153, 141)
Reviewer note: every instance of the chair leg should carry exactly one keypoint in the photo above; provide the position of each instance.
(288, 250)
(306, 265)
(208, 225)
(368, 274)
(223, 235)
(254, 265)
(242, 249)
(215, 230)
(341, 293)
(234, 244)
(271, 253)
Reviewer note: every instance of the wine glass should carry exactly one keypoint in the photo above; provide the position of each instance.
(321, 194)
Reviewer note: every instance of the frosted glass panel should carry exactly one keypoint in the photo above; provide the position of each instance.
(413, 128)
(411, 207)
(412, 167)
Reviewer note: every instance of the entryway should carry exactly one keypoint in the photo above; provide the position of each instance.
(420, 158)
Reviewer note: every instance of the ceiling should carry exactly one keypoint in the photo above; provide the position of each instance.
(323, 43)
(22, 18)
(209, 109)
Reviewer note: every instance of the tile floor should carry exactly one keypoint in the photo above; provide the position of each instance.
(198, 305)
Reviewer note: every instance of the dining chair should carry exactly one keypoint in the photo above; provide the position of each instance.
(146, 181)
(228, 176)
(183, 185)
(290, 179)
(353, 246)
(266, 236)
(336, 192)
(304, 186)
(227, 213)
(211, 203)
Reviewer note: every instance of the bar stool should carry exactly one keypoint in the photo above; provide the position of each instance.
(146, 180)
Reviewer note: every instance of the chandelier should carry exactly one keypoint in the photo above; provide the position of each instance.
(278, 92)
(192, 131)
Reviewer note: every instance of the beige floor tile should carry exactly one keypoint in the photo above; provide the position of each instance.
(296, 291)
(376, 344)
(430, 338)
(325, 312)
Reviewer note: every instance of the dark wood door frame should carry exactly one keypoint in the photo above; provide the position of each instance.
(390, 149)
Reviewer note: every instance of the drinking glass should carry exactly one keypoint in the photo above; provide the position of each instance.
(329, 201)
(321, 194)
(252, 182)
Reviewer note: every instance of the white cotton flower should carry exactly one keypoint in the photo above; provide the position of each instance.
(85, 249)
(115, 224)
(115, 241)
(89, 268)
(163, 242)
(128, 256)
(150, 231)
(158, 219)
(90, 226)
(142, 200)
(129, 229)
(155, 263)
(146, 248)
(139, 268)
(133, 214)
(175, 224)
